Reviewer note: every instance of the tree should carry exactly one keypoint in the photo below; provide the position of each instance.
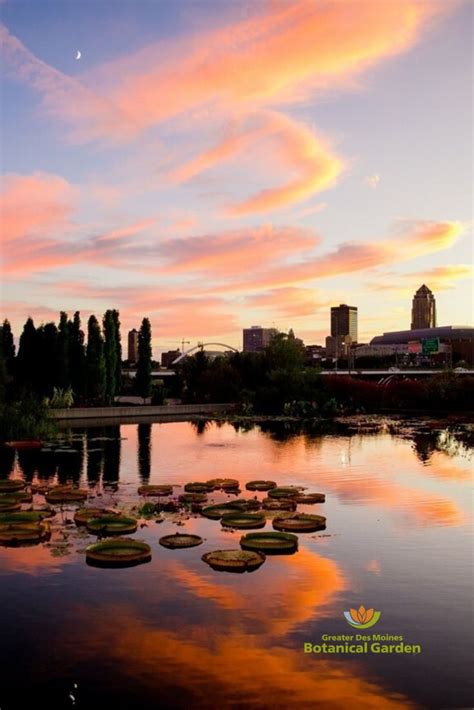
(110, 354)
(7, 346)
(27, 359)
(49, 358)
(77, 356)
(95, 362)
(118, 370)
(63, 378)
(143, 379)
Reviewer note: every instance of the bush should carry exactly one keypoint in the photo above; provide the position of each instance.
(27, 419)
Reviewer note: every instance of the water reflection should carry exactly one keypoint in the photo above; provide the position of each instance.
(144, 453)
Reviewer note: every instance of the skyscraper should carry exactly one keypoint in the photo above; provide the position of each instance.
(257, 338)
(423, 311)
(133, 345)
(344, 322)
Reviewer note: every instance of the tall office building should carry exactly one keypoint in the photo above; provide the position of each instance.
(257, 338)
(344, 322)
(423, 310)
(133, 345)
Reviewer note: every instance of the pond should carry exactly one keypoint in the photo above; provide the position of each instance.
(176, 633)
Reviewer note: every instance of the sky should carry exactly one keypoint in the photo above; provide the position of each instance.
(216, 165)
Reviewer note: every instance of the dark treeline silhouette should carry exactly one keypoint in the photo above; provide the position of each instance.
(54, 358)
(278, 381)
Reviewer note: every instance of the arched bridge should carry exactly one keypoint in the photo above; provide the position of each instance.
(202, 346)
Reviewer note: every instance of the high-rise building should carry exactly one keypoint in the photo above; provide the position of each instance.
(423, 310)
(133, 345)
(344, 322)
(257, 338)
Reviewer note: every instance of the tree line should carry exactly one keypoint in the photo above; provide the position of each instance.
(58, 358)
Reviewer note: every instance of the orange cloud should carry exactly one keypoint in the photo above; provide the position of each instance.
(34, 204)
(281, 53)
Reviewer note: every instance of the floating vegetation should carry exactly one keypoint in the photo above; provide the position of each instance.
(8, 504)
(83, 515)
(260, 485)
(279, 504)
(23, 516)
(271, 543)
(11, 485)
(229, 484)
(20, 496)
(162, 490)
(65, 494)
(180, 540)
(244, 521)
(119, 552)
(215, 512)
(24, 533)
(310, 498)
(299, 522)
(112, 524)
(197, 487)
(234, 560)
(214, 484)
(193, 498)
(285, 492)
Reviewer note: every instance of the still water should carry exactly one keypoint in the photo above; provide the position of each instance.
(174, 633)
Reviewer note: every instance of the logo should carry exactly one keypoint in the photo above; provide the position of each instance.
(362, 618)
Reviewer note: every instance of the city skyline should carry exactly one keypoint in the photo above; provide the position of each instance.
(211, 166)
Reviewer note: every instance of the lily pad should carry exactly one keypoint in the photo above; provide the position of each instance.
(119, 552)
(271, 543)
(20, 496)
(112, 525)
(23, 516)
(244, 521)
(8, 504)
(279, 504)
(197, 487)
(310, 498)
(24, 533)
(161, 490)
(64, 494)
(285, 492)
(234, 560)
(215, 483)
(179, 541)
(83, 515)
(299, 522)
(193, 498)
(11, 485)
(229, 484)
(260, 485)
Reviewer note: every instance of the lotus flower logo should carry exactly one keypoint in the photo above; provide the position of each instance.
(362, 618)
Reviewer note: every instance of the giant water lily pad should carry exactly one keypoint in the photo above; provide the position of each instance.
(180, 540)
(279, 504)
(285, 492)
(310, 498)
(112, 525)
(24, 516)
(193, 498)
(24, 533)
(260, 485)
(11, 485)
(197, 487)
(243, 521)
(65, 494)
(215, 512)
(234, 560)
(215, 483)
(161, 490)
(299, 522)
(20, 496)
(119, 552)
(83, 515)
(229, 484)
(8, 504)
(271, 543)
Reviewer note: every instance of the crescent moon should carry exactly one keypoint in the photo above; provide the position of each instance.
(78, 55)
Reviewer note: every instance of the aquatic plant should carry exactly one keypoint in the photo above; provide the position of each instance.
(234, 560)
(118, 552)
(271, 543)
(180, 540)
(299, 522)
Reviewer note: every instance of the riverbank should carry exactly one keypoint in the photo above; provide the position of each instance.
(130, 414)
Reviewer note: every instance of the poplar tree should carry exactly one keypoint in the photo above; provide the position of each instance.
(63, 375)
(95, 362)
(7, 346)
(143, 379)
(27, 357)
(118, 369)
(110, 355)
(77, 356)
